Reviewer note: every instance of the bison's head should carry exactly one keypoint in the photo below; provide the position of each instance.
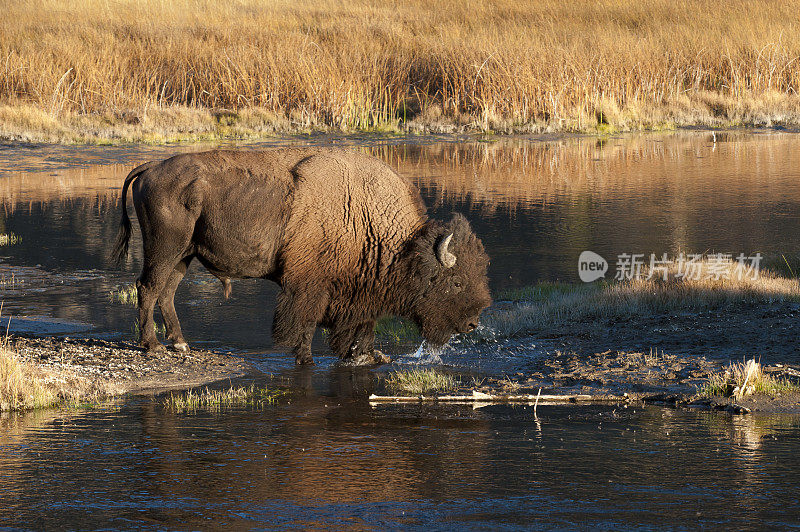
(448, 266)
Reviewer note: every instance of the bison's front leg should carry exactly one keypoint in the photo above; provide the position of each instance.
(356, 345)
(302, 351)
(296, 317)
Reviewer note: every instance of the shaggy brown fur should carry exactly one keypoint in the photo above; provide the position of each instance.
(343, 234)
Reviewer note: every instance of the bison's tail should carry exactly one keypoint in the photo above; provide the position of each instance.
(124, 235)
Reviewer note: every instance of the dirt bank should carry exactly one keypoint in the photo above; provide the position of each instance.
(663, 358)
(766, 331)
(125, 366)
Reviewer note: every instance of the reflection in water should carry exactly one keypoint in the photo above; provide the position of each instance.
(541, 204)
(535, 204)
(331, 461)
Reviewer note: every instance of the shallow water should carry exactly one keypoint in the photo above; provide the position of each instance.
(330, 460)
(327, 461)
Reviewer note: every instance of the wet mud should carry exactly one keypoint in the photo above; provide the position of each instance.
(664, 359)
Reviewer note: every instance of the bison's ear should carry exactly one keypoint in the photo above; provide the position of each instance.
(447, 259)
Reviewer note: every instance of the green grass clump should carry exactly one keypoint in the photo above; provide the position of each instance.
(216, 400)
(397, 330)
(127, 295)
(160, 328)
(419, 381)
(745, 378)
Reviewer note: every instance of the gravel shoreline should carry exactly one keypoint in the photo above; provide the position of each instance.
(125, 365)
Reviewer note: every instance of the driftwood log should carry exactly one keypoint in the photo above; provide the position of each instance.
(479, 397)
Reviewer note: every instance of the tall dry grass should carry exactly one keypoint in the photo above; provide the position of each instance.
(154, 65)
(25, 386)
(746, 378)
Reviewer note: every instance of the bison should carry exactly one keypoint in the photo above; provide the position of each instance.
(345, 237)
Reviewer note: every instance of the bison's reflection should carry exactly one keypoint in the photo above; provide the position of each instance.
(318, 448)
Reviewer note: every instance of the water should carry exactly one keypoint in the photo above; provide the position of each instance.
(333, 462)
(328, 459)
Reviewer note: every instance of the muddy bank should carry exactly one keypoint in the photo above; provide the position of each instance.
(768, 331)
(610, 377)
(614, 373)
(125, 366)
(663, 358)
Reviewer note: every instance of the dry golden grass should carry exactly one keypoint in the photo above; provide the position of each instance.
(746, 378)
(24, 386)
(150, 69)
(558, 305)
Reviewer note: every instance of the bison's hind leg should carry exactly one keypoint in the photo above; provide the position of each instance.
(167, 236)
(158, 283)
(149, 287)
(166, 302)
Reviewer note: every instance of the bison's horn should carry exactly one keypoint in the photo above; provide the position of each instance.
(447, 259)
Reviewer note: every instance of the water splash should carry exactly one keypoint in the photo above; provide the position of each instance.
(424, 354)
(481, 338)
(483, 334)
(418, 352)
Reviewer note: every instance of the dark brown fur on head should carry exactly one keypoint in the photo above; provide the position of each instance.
(446, 300)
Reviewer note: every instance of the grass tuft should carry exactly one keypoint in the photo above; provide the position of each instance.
(127, 295)
(23, 386)
(397, 330)
(216, 400)
(159, 328)
(745, 378)
(419, 381)
(8, 239)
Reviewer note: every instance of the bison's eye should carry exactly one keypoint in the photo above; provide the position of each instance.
(457, 284)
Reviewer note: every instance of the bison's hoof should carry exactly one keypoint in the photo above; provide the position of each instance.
(155, 348)
(181, 347)
(304, 361)
(381, 358)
